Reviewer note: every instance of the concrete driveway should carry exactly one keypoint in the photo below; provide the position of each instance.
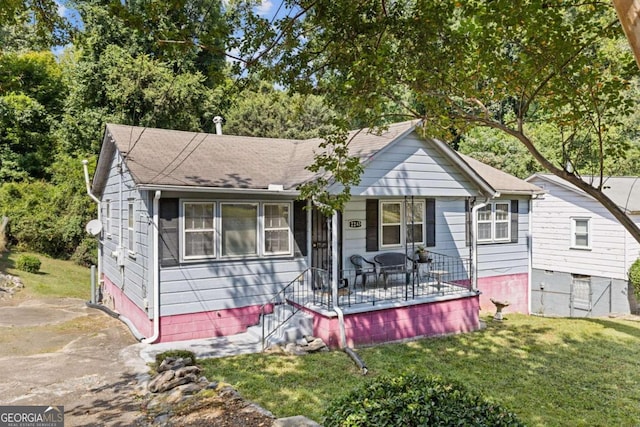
(60, 352)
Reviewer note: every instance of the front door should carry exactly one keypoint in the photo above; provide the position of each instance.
(320, 241)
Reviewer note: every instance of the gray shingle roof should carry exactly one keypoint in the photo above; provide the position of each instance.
(624, 191)
(501, 181)
(162, 157)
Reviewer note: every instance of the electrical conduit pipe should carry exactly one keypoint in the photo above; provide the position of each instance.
(95, 199)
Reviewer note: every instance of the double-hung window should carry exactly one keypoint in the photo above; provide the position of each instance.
(277, 238)
(239, 228)
(580, 233)
(131, 231)
(198, 230)
(107, 216)
(494, 222)
(401, 223)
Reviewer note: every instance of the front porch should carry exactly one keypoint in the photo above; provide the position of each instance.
(387, 303)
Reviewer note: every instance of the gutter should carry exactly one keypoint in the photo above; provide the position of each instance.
(156, 272)
(95, 199)
(217, 190)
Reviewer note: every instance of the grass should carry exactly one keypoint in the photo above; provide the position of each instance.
(56, 278)
(549, 371)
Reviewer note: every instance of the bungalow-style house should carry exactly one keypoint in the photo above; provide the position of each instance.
(581, 253)
(203, 235)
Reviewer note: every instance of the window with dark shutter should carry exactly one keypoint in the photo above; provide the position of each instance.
(467, 223)
(514, 221)
(169, 232)
(431, 222)
(300, 227)
(372, 225)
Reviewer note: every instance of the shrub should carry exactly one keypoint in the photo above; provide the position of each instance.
(86, 254)
(634, 276)
(185, 354)
(28, 263)
(411, 400)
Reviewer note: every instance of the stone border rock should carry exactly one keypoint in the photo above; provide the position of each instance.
(9, 285)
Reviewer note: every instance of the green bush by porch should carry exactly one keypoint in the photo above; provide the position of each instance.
(559, 372)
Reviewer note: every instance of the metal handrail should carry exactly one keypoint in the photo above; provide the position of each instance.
(283, 305)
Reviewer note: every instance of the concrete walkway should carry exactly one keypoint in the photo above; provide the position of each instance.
(232, 345)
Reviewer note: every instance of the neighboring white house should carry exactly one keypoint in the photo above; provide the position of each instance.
(581, 253)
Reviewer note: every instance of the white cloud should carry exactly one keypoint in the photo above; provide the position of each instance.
(265, 8)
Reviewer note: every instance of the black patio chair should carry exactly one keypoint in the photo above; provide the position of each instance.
(394, 263)
(359, 262)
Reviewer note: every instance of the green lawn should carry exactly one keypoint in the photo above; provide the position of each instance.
(56, 278)
(550, 372)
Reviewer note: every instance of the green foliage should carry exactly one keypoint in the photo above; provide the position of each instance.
(634, 276)
(86, 254)
(48, 218)
(412, 400)
(270, 113)
(184, 354)
(31, 92)
(458, 65)
(28, 263)
(41, 16)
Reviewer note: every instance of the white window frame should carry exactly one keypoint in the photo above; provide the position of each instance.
(131, 226)
(404, 224)
(574, 244)
(493, 221)
(107, 218)
(220, 233)
(185, 230)
(262, 218)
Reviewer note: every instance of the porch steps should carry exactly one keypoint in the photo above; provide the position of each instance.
(295, 328)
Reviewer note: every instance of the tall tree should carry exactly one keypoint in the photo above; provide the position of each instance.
(31, 99)
(271, 113)
(491, 63)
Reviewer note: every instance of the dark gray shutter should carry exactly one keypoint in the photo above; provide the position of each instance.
(431, 222)
(514, 221)
(169, 232)
(300, 227)
(372, 225)
(467, 223)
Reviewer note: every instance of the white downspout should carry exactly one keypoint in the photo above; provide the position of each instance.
(334, 278)
(156, 271)
(474, 241)
(95, 199)
(530, 255)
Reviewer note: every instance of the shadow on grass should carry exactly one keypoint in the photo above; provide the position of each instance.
(560, 372)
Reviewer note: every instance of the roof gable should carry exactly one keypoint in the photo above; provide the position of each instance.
(624, 191)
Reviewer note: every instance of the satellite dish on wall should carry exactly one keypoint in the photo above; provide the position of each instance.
(94, 227)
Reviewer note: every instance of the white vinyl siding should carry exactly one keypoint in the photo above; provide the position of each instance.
(612, 248)
(199, 230)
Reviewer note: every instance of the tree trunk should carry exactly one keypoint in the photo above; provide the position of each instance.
(597, 194)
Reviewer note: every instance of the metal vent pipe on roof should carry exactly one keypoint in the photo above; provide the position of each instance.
(218, 122)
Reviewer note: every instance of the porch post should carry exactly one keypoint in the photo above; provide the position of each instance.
(334, 258)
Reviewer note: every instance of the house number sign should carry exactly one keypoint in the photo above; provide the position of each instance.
(355, 224)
